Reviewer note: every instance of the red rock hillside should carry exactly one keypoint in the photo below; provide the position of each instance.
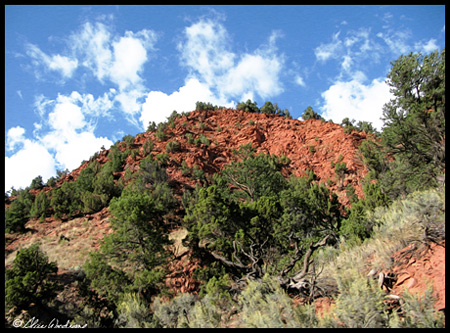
(310, 145)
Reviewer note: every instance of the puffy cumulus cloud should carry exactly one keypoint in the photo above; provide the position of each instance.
(68, 139)
(32, 160)
(71, 137)
(207, 54)
(355, 100)
(15, 136)
(206, 50)
(158, 105)
(130, 55)
(255, 73)
(119, 59)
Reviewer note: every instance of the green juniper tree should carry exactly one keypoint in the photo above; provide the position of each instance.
(414, 123)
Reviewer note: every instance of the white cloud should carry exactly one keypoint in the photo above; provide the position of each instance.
(130, 54)
(426, 47)
(15, 136)
(130, 103)
(30, 161)
(68, 139)
(158, 105)
(254, 73)
(92, 44)
(396, 41)
(119, 59)
(71, 137)
(299, 80)
(65, 65)
(354, 100)
(206, 50)
(329, 50)
(351, 50)
(206, 53)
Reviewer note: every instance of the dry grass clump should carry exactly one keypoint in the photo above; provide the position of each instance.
(414, 219)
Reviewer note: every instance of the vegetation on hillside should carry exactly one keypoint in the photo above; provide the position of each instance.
(262, 239)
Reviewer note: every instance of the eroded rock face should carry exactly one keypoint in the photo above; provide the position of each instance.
(310, 145)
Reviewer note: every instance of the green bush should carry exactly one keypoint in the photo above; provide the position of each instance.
(37, 183)
(309, 113)
(264, 305)
(30, 280)
(174, 313)
(204, 140)
(248, 106)
(360, 303)
(418, 311)
(108, 282)
(173, 146)
(133, 312)
(40, 206)
(17, 215)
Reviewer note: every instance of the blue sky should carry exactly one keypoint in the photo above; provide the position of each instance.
(81, 77)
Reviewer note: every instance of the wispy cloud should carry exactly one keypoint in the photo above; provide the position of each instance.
(426, 47)
(62, 64)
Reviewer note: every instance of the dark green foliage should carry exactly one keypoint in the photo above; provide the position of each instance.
(117, 158)
(163, 158)
(151, 126)
(202, 106)
(19, 212)
(248, 106)
(37, 183)
(309, 113)
(148, 147)
(255, 176)
(151, 173)
(66, 200)
(51, 181)
(173, 146)
(140, 237)
(108, 282)
(349, 126)
(356, 226)
(310, 212)
(204, 140)
(251, 217)
(269, 108)
(40, 206)
(138, 218)
(415, 123)
(30, 280)
(340, 171)
(128, 140)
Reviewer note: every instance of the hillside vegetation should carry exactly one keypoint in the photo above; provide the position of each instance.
(243, 218)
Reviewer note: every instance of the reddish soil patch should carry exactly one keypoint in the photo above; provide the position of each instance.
(417, 270)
